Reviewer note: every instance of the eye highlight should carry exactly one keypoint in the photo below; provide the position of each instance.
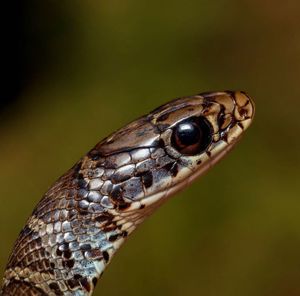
(192, 136)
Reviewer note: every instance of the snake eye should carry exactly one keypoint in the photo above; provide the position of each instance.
(192, 136)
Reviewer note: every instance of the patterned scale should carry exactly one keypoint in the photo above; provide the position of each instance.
(86, 215)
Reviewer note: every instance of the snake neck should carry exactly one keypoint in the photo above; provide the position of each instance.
(76, 228)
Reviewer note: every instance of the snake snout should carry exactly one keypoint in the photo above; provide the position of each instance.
(245, 109)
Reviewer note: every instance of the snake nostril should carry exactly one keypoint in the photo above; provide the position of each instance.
(244, 106)
(243, 111)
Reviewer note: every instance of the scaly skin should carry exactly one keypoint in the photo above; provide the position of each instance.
(87, 214)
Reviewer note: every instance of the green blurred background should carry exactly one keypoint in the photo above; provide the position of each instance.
(77, 70)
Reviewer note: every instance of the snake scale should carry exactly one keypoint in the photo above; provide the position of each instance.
(88, 213)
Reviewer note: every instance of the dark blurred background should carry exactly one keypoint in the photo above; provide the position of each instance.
(74, 71)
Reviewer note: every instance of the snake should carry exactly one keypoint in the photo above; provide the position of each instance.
(84, 218)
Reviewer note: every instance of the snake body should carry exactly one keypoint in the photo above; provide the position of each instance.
(82, 220)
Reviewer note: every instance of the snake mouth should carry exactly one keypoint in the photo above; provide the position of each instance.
(150, 202)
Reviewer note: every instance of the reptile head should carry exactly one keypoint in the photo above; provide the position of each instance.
(158, 154)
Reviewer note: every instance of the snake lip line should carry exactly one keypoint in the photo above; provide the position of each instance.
(172, 189)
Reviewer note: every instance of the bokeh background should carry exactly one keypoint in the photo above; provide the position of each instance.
(74, 71)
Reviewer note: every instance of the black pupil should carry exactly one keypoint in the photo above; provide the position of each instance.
(188, 133)
(192, 136)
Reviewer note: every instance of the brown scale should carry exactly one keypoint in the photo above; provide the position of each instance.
(22, 288)
(130, 166)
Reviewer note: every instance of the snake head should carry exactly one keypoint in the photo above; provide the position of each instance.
(153, 157)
